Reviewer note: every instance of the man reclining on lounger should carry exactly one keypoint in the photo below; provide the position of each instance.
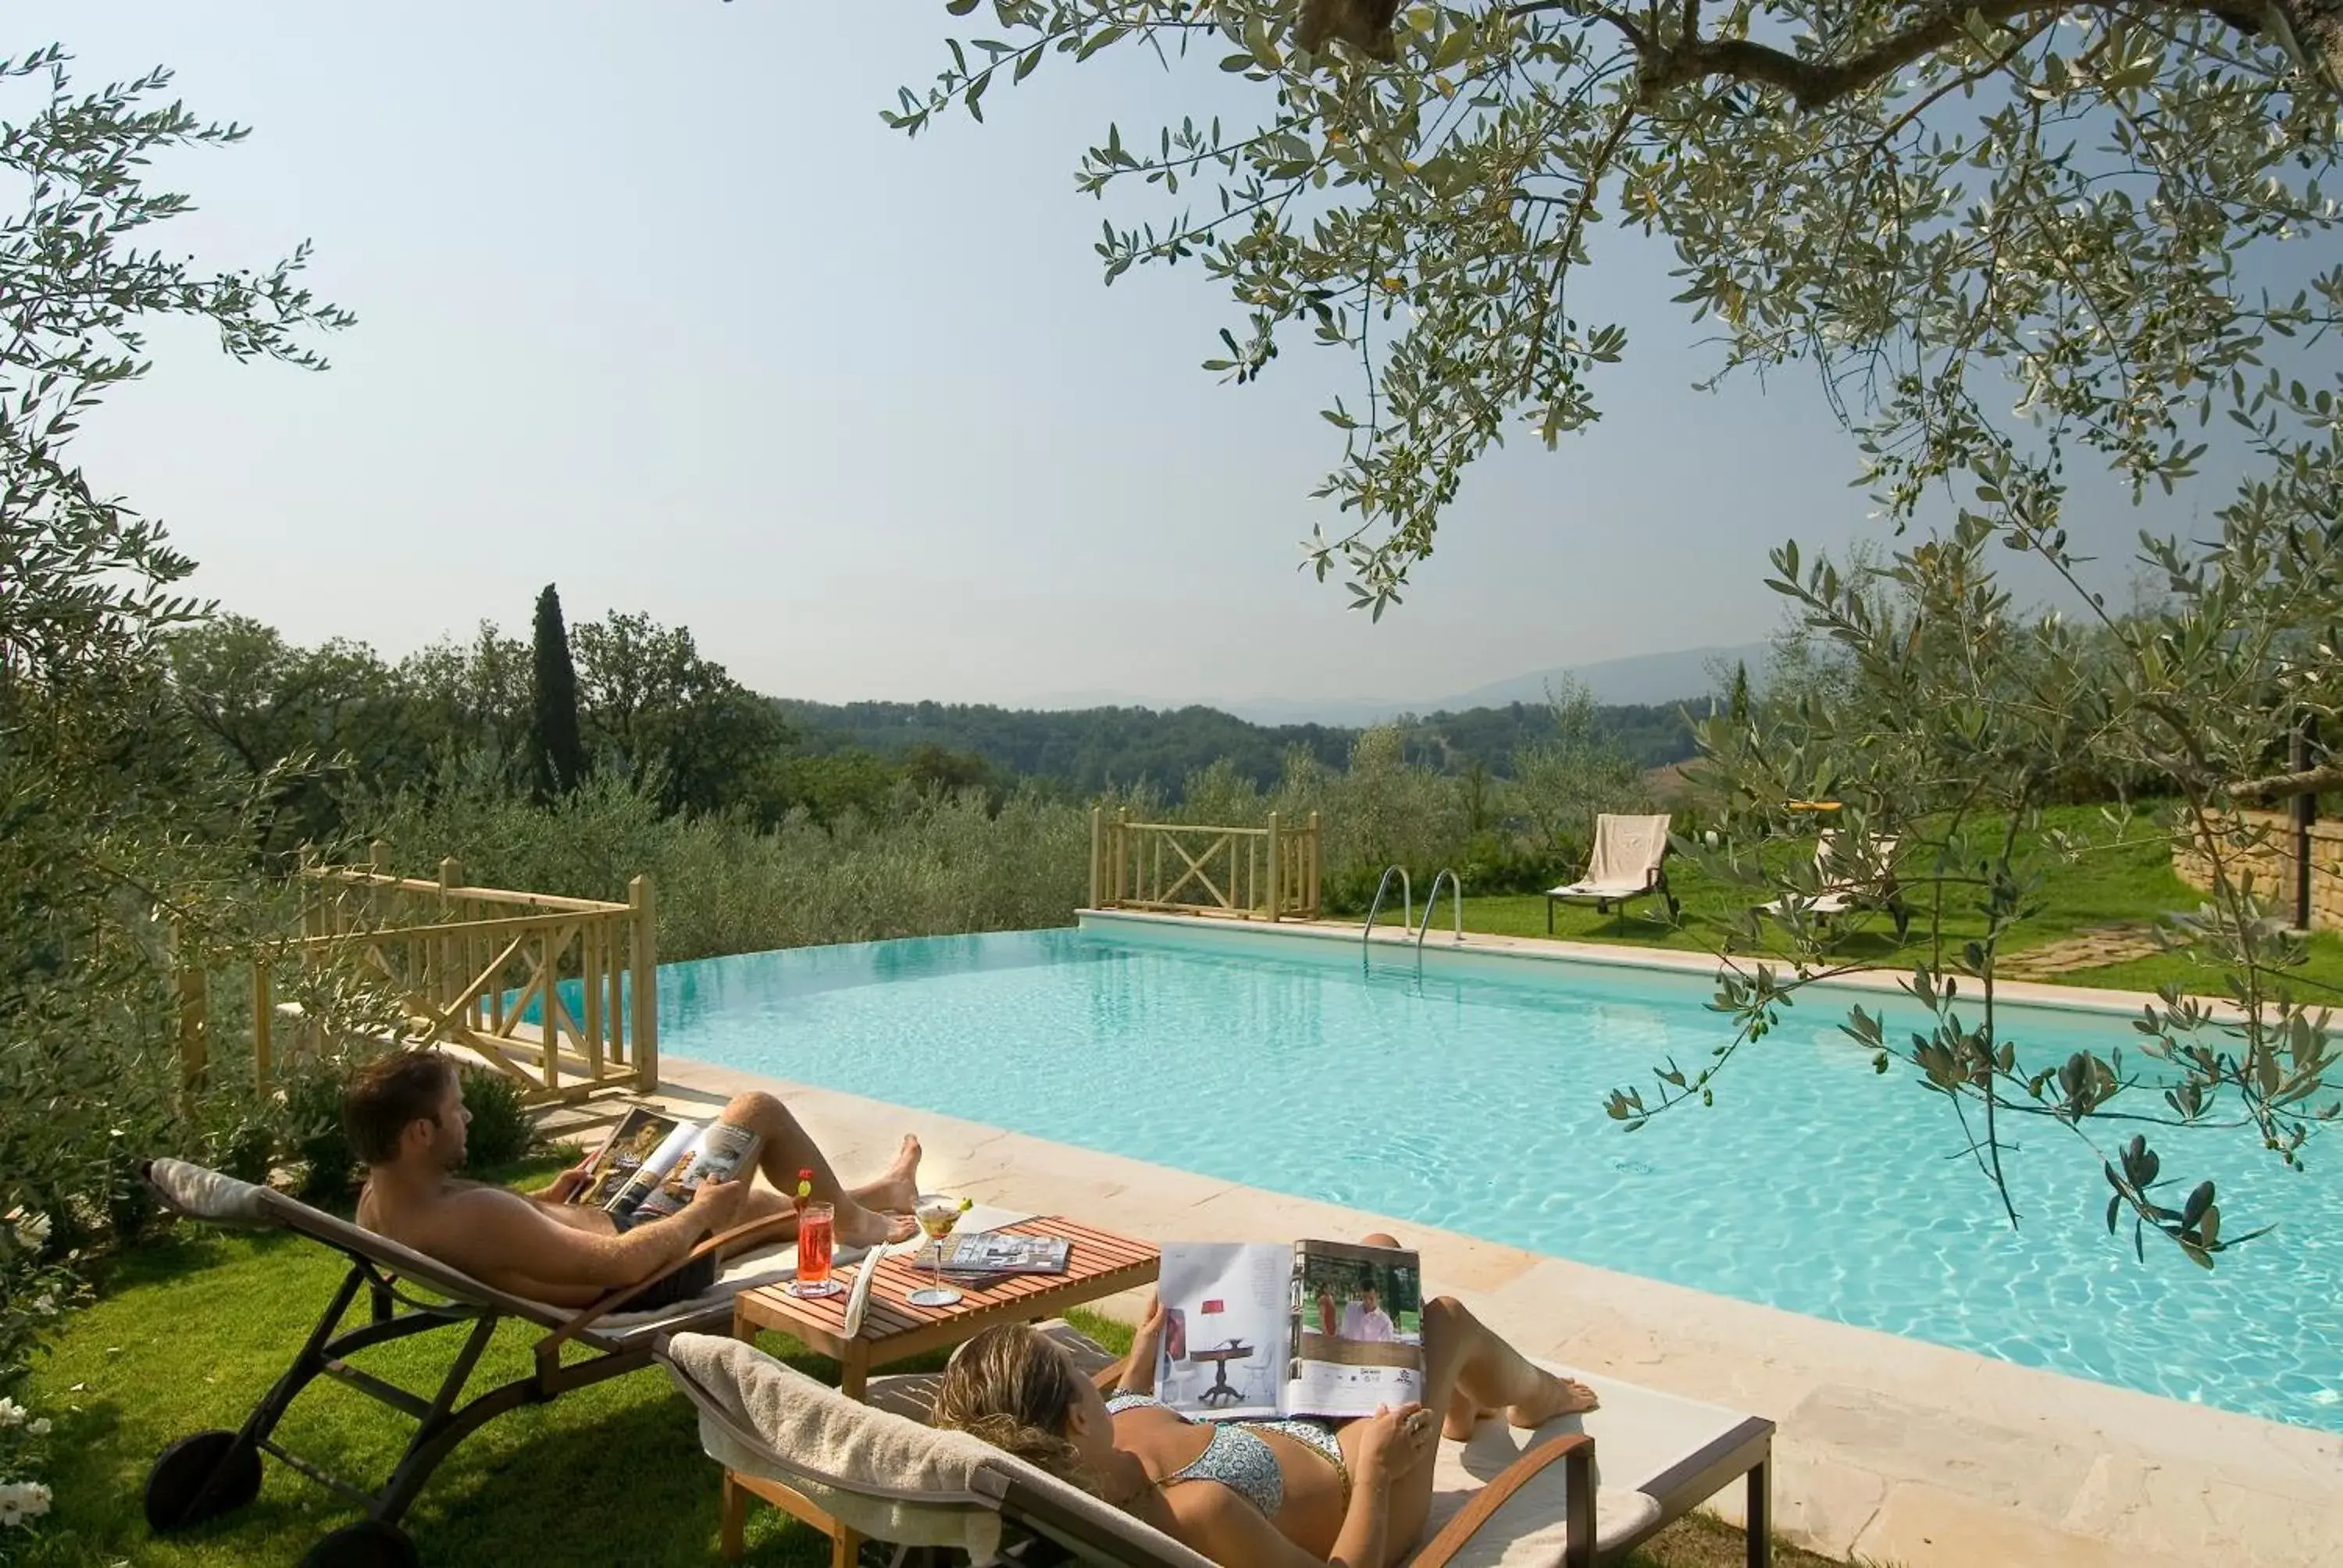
(405, 1116)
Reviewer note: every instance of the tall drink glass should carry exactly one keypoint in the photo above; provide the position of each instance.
(815, 1237)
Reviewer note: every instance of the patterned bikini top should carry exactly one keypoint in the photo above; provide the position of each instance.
(1240, 1461)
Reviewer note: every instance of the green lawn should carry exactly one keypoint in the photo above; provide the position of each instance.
(2121, 879)
(191, 1329)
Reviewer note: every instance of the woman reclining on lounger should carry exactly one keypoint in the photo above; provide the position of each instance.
(1255, 1493)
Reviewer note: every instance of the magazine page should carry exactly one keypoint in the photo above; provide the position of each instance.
(653, 1168)
(613, 1164)
(1227, 1317)
(1358, 1335)
(988, 1252)
(721, 1151)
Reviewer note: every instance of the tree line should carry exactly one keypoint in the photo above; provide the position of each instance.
(331, 732)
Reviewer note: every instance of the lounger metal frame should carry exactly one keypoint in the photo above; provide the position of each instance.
(378, 1267)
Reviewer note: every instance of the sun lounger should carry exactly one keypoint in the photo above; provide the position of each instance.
(1625, 863)
(1581, 1491)
(211, 1474)
(1839, 890)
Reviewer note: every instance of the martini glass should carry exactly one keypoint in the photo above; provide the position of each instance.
(937, 1216)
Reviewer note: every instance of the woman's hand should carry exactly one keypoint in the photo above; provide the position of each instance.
(1147, 1339)
(1395, 1442)
(1138, 1371)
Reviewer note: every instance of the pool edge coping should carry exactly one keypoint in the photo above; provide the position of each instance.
(2096, 1000)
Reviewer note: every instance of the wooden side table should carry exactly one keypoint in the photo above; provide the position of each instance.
(1101, 1263)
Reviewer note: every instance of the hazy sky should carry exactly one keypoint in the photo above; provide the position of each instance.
(652, 306)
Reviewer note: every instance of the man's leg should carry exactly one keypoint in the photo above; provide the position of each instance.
(876, 1211)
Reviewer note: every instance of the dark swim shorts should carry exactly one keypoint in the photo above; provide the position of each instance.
(694, 1279)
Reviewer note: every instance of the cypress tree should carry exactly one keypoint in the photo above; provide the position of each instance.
(557, 755)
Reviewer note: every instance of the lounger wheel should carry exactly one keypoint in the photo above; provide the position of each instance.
(369, 1544)
(198, 1478)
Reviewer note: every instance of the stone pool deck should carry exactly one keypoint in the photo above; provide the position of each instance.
(1890, 1451)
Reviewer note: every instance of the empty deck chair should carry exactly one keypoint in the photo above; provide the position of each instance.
(1625, 863)
(211, 1474)
(1582, 1491)
(1840, 889)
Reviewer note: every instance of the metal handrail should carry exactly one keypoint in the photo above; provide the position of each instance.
(1455, 908)
(1407, 897)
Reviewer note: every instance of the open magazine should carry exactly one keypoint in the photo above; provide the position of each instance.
(986, 1255)
(651, 1164)
(1282, 1328)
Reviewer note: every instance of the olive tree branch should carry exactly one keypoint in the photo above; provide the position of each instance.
(1817, 84)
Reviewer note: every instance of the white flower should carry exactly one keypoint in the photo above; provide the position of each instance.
(21, 1501)
(39, 1427)
(11, 1413)
(45, 1303)
(32, 1231)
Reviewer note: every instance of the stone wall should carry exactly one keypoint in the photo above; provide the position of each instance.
(2272, 865)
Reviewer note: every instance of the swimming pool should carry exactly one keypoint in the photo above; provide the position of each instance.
(1471, 1097)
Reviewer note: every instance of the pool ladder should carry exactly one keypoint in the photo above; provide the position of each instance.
(1407, 904)
(1456, 909)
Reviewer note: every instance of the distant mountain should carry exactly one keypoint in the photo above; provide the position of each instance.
(1642, 679)
(1647, 677)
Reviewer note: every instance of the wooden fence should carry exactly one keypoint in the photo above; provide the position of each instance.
(1251, 873)
(560, 994)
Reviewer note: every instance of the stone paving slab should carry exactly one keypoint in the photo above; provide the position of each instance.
(1898, 1450)
(2092, 949)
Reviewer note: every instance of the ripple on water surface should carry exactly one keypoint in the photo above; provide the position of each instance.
(1472, 1098)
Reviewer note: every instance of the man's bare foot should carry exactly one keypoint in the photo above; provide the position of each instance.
(1559, 1396)
(860, 1227)
(897, 1187)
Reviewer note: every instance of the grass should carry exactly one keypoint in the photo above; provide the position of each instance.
(2128, 878)
(191, 1329)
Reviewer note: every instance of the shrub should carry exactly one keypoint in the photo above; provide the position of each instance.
(502, 1129)
(1495, 863)
(928, 863)
(313, 1132)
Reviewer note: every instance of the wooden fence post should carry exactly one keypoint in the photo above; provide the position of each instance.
(447, 976)
(1121, 851)
(264, 1019)
(194, 1045)
(1098, 846)
(1276, 879)
(2305, 814)
(1311, 876)
(644, 969)
(382, 905)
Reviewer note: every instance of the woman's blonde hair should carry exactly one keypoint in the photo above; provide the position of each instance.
(1014, 1388)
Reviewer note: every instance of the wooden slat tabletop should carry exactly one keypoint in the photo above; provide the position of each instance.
(1099, 1264)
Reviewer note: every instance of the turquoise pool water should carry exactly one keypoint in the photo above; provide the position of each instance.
(1472, 1098)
